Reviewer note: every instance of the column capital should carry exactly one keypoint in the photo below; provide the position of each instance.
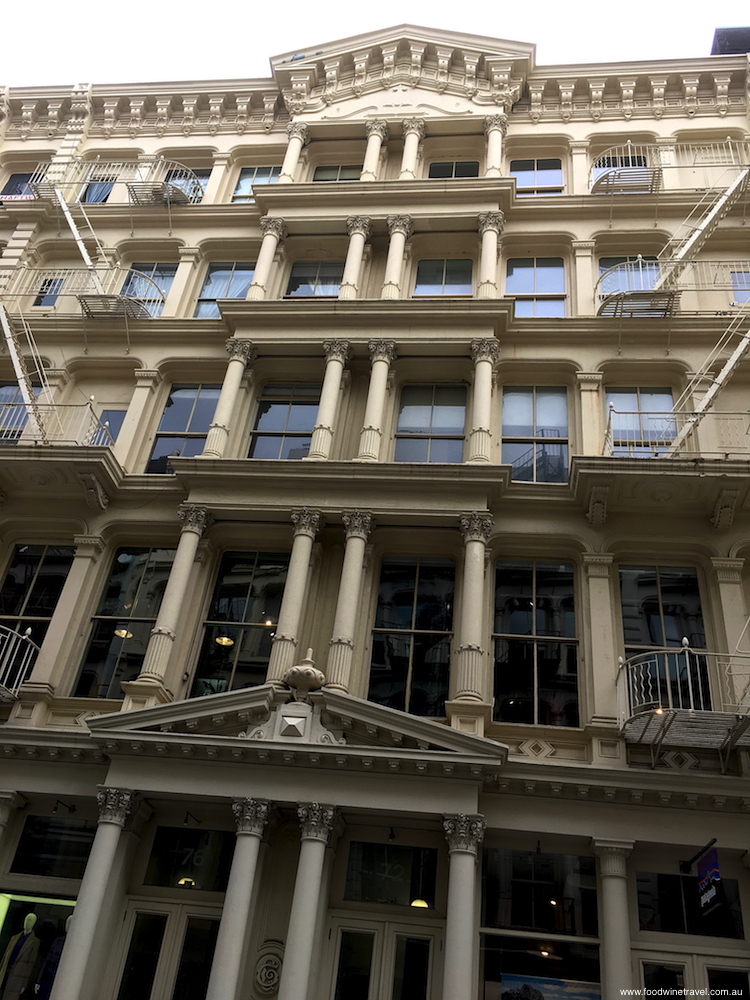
(496, 123)
(485, 350)
(476, 527)
(377, 127)
(307, 522)
(316, 821)
(358, 524)
(382, 350)
(241, 350)
(251, 815)
(597, 564)
(147, 378)
(116, 804)
(491, 222)
(194, 518)
(336, 350)
(88, 546)
(190, 255)
(613, 856)
(582, 145)
(413, 126)
(359, 224)
(399, 224)
(584, 248)
(590, 381)
(464, 833)
(274, 226)
(298, 130)
(728, 570)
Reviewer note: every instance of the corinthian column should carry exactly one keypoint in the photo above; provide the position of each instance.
(399, 229)
(316, 822)
(307, 523)
(251, 816)
(298, 136)
(195, 520)
(495, 129)
(358, 525)
(485, 354)
(377, 134)
(115, 806)
(337, 354)
(413, 134)
(274, 231)
(490, 226)
(382, 356)
(359, 230)
(464, 835)
(476, 529)
(617, 963)
(241, 353)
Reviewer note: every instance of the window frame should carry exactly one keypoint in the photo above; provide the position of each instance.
(238, 197)
(317, 283)
(536, 441)
(150, 269)
(534, 297)
(446, 262)
(537, 188)
(186, 435)
(270, 394)
(233, 267)
(453, 164)
(338, 167)
(26, 194)
(641, 446)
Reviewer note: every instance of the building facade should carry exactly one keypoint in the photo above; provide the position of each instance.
(374, 502)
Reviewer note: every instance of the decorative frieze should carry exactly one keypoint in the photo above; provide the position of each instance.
(464, 832)
(251, 815)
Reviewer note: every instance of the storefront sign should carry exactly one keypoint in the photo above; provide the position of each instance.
(710, 896)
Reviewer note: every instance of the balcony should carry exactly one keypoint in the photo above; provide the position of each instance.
(664, 700)
(709, 434)
(639, 168)
(98, 291)
(45, 423)
(17, 657)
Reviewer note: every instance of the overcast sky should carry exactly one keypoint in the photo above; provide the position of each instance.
(147, 41)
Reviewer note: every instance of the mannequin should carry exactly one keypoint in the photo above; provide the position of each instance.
(18, 961)
(47, 974)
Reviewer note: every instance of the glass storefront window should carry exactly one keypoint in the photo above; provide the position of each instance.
(54, 846)
(670, 904)
(45, 943)
(191, 859)
(538, 967)
(382, 873)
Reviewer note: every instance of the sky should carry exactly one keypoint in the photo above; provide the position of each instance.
(137, 42)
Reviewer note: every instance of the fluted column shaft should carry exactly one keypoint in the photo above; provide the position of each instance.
(377, 134)
(464, 835)
(195, 520)
(307, 523)
(359, 229)
(251, 816)
(495, 129)
(414, 130)
(316, 822)
(614, 934)
(382, 355)
(485, 354)
(274, 231)
(358, 525)
(337, 353)
(399, 228)
(490, 226)
(298, 137)
(476, 529)
(115, 806)
(241, 352)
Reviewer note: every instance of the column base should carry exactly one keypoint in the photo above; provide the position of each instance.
(407, 175)
(479, 446)
(216, 441)
(493, 172)
(320, 444)
(256, 292)
(391, 290)
(33, 705)
(471, 717)
(487, 290)
(348, 290)
(145, 692)
(369, 445)
(338, 668)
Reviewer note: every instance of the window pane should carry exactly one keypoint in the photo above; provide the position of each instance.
(415, 415)
(520, 457)
(266, 446)
(434, 597)
(302, 416)
(329, 278)
(178, 408)
(54, 847)
(546, 308)
(203, 412)
(514, 598)
(326, 174)
(467, 168)
(272, 416)
(295, 448)
(216, 281)
(430, 277)
(520, 279)
(518, 411)
(112, 658)
(196, 958)
(442, 450)
(551, 412)
(389, 669)
(524, 308)
(202, 856)
(355, 963)
(412, 450)
(253, 654)
(124, 580)
(449, 408)
(243, 189)
(213, 675)
(554, 599)
(302, 279)
(386, 873)
(351, 173)
(164, 449)
(411, 971)
(458, 277)
(240, 281)
(514, 681)
(523, 171)
(669, 979)
(26, 560)
(558, 684)
(729, 979)
(551, 463)
(549, 173)
(441, 170)
(549, 275)
(430, 675)
(398, 579)
(143, 956)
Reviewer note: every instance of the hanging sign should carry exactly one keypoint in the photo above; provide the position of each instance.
(710, 896)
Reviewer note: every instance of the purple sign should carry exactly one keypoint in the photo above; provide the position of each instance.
(709, 882)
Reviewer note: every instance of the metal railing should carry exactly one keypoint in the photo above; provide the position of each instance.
(636, 277)
(53, 424)
(99, 290)
(637, 167)
(647, 434)
(17, 657)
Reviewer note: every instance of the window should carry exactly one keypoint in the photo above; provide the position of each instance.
(223, 281)
(195, 859)
(243, 193)
(540, 892)
(49, 289)
(535, 432)
(741, 285)
(537, 176)
(385, 873)
(661, 605)
(184, 425)
(451, 169)
(192, 185)
(54, 846)
(538, 286)
(640, 421)
(670, 904)
(633, 274)
(285, 421)
(443, 277)
(240, 623)
(13, 413)
(547, 968)
(32, 586)
(315, 278)
(431, 424)
(136, 287)
(411, 642)
(111, 421)
(614, 164)
(123, 621)
(98, 189)
(536, 674)
(17, 187)
(337, 173)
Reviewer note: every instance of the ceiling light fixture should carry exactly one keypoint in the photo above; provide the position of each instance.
(123, 633)
(224, 640)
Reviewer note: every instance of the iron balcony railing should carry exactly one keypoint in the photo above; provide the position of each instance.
(17, 657)
(52, 424)
(646, 434)
(638, 168)
(640, 286)
(100, 291)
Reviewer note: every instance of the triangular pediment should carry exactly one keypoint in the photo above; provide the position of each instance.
(263, 722)
(402, 70)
